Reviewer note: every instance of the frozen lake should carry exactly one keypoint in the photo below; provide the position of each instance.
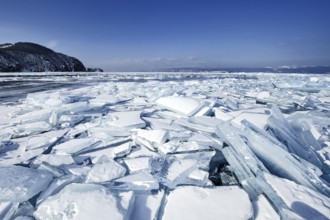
(164, 146)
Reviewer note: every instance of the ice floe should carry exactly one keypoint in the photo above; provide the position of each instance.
(168, 146)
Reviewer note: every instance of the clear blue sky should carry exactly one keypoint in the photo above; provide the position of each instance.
(142, 35)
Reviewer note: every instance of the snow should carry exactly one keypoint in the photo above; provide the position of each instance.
(165, 146)
(189, 202)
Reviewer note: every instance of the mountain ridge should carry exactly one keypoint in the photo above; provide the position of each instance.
(31, 57)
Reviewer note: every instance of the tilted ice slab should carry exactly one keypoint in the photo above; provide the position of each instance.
(263, 210)
(183, 105)
(18, 184)
(195, 203)
(303, 201)
(74, 146)
(81, 202)
(137, 181)
(7, 209)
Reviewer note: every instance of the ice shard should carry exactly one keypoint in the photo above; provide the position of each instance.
(18, 184)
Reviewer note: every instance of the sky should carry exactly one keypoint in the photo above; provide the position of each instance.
(141, 35)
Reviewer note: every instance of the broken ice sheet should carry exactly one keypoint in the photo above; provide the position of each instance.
(137, 164)
(71, 203)
(45, 139)
(176, 169)
(52, 159)
(56, 185)
(74, 146)
(183, 105)
(191, 202)
(137, 181)
(31, 128)
(105, 170)
(18, 184)
(127, 120)
(113, 150)
(305, 202)
(154, 137)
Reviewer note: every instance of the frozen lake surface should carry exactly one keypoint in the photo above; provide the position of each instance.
(164, 146)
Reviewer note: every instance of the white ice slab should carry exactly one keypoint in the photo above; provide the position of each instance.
(155, 137)
(137, 181)
(127, 120)
(195, 203)
(80, 202)
(182, 105)
(137, 164)
(74, 145)
(18, 184)
(105, 170)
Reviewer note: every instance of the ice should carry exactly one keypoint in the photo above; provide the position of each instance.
(192, 126)
(35, 116)
(183, 105)
(303, 201)
(112, 150)
(18, 184)
(45, 139)
(127, 120)
(263, 210)
(101, 100)
(219, 114)
(32, 128)
(52, 159)
(257, 119)
(105, 170)
(197, 177)
(74, 146)
(283, 164)
(55, 171)
(190, 202)
(138, 164)
(137, 181)
(169, 147)
(7, 209)
(147, 205)
(124, 144)
(24, 212)
(285, 133)
(155, 137)
(80, 201)
(228, 134)
(56, 185)
(176, 169)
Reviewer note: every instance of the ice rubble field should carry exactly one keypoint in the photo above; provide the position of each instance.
(174, 146)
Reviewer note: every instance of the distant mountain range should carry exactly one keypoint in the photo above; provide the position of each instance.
(309, 69)
(30, 57)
